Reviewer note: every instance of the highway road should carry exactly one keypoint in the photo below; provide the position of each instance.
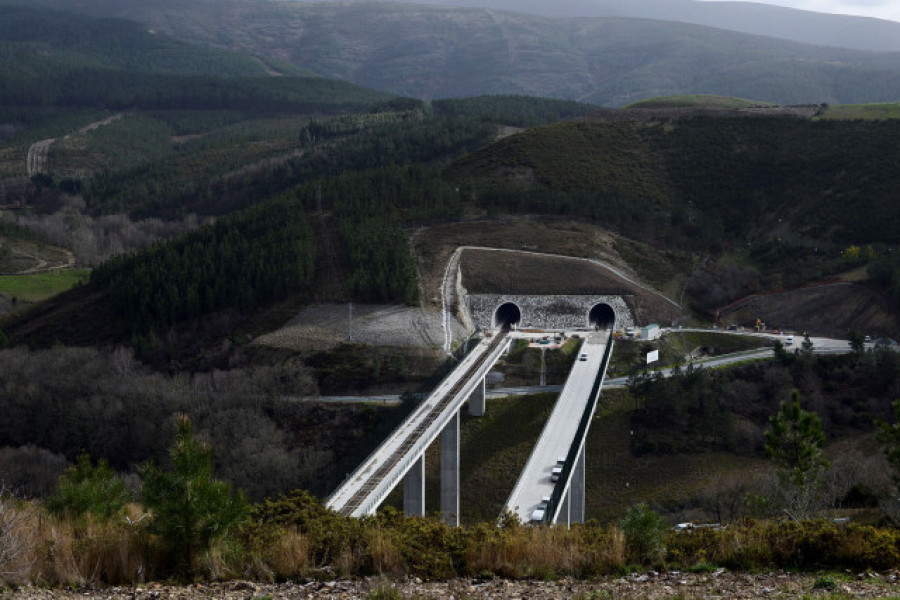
(535, 482)
(820, 346)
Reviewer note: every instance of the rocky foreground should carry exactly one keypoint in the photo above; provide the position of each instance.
(650, 585)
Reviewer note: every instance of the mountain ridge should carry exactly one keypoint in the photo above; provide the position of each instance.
(438, 52)
(803, 26)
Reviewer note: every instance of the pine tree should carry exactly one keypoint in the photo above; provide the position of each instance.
(794, 442)
(807, 346)
(190, 509)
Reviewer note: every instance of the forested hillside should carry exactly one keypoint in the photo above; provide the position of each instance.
(784, 197)
(58, 59)
(435, 52)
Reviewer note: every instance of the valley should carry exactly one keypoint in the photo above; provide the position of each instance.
(230, 222)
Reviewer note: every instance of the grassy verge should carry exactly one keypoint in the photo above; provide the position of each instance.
(863, 111)
(677, 345)
(40, 286)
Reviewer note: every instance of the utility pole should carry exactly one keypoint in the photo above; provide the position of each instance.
(543, 367)
(350, 322)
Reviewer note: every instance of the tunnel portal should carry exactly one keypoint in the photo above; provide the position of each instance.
(507, 314)
(602, 316)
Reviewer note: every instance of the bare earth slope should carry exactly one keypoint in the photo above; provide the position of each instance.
(830, 310)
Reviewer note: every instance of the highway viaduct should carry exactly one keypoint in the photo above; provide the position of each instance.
(400, 458)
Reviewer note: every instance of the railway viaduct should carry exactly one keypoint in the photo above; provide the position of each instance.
(502, 317)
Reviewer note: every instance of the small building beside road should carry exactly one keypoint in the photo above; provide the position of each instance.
(650, 332)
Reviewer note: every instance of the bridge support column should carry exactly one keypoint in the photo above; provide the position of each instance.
(414, 490)
(564, 515)
(450, 472)
(476, 400)
(577, 491)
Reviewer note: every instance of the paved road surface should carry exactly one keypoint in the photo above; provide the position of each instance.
(559, 432)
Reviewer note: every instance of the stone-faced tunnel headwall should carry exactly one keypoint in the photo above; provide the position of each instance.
(547, 312)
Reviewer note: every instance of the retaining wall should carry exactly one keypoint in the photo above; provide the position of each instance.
(547, 312)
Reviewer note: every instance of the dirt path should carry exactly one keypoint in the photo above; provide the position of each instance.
(42, 267)
(511, 47)
(269, 70)
(39, 262)
(38, 160)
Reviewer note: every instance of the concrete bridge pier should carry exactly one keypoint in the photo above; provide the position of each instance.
(576, 490)
(572, 506)
(414, 490)
(450, 472)
(476, 400)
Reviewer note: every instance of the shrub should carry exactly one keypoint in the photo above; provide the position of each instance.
(644, 530)
(85, 489)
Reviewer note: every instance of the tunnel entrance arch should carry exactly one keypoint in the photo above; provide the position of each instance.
(602, 316)
(507, 314)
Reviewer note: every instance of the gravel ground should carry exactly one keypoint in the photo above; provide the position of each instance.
(644, 585)
(322, 326)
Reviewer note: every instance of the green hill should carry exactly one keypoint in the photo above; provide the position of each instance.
(705, 180)
(59, 59)
(40, 37)
(698, 101)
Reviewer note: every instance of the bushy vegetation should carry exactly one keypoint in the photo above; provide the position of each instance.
(518, 111)
(107, 43)
(294, 536)
(109, 405)
(89, 491)
(695, 410)
(58, 59)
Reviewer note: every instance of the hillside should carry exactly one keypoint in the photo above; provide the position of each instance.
(742, 205)
(433, 52)
(804, 26)
(769, 180)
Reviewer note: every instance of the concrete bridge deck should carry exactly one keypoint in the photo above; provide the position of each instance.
(552, 481)
(401, 454)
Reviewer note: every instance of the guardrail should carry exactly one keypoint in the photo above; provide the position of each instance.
(556, 496)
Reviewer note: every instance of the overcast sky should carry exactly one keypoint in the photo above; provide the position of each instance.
(881, 9)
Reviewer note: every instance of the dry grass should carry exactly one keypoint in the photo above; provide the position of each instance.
(384, 553)
(544, 552)
(35, 547)
(17, 541)
(289, 554)
(433, 246)
(491, 272)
